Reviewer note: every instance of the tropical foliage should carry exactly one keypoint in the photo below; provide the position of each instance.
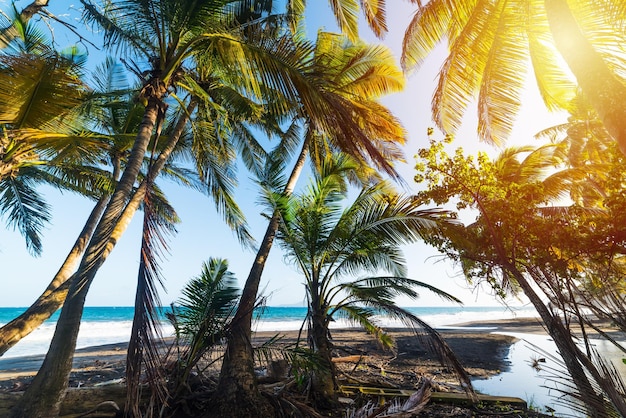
(208, 29)
(214, 76)
(354, 76)
(332, 244)
(41, 141)
(491, 43)
(347, 15)
(564, 257)
(201, 320)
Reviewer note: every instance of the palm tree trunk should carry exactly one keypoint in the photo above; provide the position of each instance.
(43, 398)
(605, 92)
(237, 380)
(52, 298)
(138, 340)
(323, 380)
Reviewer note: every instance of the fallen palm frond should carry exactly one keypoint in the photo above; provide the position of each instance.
(397, 409)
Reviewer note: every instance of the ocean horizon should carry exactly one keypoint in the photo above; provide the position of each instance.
(112, 324)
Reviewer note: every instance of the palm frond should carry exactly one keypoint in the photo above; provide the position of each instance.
(363, 317)
(404, 286)
(205, 309)
(34, 90)
(427, 28)
(437, 342)
(214, 160)
(123, 24)
(143, 348)
(23, 207)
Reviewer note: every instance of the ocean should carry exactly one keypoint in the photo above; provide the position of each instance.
(111, 324)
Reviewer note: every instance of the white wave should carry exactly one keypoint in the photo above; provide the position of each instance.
(437, 320)
(108, 332)
(92, 333)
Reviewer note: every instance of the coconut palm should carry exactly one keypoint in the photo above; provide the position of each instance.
(354, 76)
(213, 147)
(333, 243)
(169, 51)
(490, 44)
(171, 43)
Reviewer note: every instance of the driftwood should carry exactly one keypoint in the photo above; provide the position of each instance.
(79, 402)
(347, 359)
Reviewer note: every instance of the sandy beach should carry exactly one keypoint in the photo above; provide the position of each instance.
(481, 351)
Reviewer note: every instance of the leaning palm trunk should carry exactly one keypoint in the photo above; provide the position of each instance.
(561, 336)
(237, 380)
(605, 92)
(53, 297)
(43, 398)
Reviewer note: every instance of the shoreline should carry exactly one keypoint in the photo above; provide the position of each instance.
(479, 344)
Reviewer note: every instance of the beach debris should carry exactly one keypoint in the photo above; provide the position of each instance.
(106, 405)
(110, 382)
(278, 369)
(535, 363)
(415, 403)
(18, 386)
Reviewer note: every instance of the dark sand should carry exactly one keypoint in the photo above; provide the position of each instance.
(482, 353)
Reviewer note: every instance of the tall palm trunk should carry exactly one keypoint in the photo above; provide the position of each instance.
(323, 380)
(43, 398)
(605, 92)
(141, 347)
(237, 380)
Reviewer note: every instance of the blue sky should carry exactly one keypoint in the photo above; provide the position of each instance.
(202, 234)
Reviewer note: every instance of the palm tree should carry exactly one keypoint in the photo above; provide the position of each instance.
(332, 243)
(221, 132)
(352, 77)
(490, 44)
(201, 319)
(167, 54)
(168, 38)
